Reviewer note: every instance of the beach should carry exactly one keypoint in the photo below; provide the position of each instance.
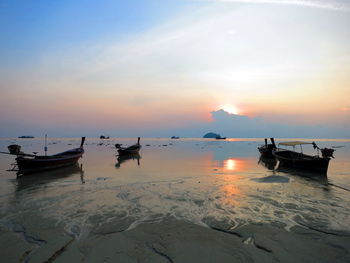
(179, 201)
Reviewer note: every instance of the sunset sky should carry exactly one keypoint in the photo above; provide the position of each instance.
(167, 67)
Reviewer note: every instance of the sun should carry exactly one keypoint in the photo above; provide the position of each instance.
(230, 109)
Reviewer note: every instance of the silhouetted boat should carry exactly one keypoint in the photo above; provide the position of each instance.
(133, 149)
(266, 150)
(175, 137)
(26, 137)
(220, 138)
(303, 161)
(104, 137)
(29, 163)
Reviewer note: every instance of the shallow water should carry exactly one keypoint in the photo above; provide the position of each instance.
(197, 180)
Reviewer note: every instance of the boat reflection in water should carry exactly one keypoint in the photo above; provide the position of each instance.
(125, 157)
(320, 177)
(269, 163)
(278, 167)
(24, 182)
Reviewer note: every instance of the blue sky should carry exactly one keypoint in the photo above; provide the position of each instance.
(83, 66)
(31, 27)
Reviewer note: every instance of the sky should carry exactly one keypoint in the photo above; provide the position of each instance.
(243, 68)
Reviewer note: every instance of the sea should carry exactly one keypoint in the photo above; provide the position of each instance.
(203, 182)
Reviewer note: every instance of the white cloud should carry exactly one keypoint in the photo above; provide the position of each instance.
(230, 53)
(341, 5)
(226, 46)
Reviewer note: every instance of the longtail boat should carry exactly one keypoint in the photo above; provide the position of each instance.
(299, 160)
(133, 149)
(29, 163)
(266, 149)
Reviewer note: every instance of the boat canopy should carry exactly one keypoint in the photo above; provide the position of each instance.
(294, 143)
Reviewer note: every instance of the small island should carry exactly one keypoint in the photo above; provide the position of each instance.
(212, 135)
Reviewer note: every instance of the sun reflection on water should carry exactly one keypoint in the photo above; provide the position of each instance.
(234, 165)
(230, 164)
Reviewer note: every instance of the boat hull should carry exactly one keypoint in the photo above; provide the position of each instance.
(128, 152)
(43, 163)
(301, 161)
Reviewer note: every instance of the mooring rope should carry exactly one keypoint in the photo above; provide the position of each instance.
(341, 187)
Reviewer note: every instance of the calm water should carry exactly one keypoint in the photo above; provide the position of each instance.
(197, 180)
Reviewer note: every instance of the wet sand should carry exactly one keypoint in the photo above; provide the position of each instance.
(191, 201)
(172, 240)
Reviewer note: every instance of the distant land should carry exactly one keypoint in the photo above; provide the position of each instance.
(211, 135)
(231, 125)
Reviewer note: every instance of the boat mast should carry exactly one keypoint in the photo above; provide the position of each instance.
(45, 148)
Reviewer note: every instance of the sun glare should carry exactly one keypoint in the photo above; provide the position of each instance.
(230, 109)
(230, 164)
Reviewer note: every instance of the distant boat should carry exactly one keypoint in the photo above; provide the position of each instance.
(29, 163)
(133, 149)
(266, 149)
(26, 137)
(220, 138)
(104, 137)
(175, 137)
(299, 160)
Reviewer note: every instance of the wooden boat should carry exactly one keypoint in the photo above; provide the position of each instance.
(133, 149)
(28, 163)
(266, 149)
(299, 160)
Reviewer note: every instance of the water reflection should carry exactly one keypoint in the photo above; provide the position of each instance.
(273, 165)
(219, 180)
(40, 179)
(236, 165)
(126, 157)
(319, 177)
(230, 164)
(229, 195)
(269, 163)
